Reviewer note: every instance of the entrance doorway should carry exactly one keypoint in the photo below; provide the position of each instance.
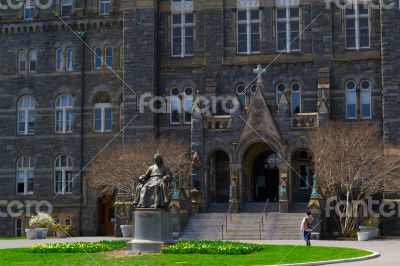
(266, 177)
(220, 176)
(106, 217)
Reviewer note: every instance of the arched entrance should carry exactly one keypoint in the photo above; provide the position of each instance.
(260, 173)
(219, 176)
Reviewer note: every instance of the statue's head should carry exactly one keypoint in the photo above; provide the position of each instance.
(158, 159)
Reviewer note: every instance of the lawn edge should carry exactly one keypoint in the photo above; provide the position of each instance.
(374, 255)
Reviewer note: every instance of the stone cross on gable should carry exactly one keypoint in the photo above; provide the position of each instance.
(259, 71)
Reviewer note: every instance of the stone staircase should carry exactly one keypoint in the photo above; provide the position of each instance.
(244, 225)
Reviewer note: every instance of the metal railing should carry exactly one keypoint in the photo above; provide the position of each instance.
(263, 218)
(223, 226)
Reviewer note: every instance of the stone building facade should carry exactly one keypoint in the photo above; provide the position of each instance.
(343, 66)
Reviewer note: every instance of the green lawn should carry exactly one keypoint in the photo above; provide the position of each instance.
(272, 254)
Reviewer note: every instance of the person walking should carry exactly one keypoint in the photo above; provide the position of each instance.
(306, 228)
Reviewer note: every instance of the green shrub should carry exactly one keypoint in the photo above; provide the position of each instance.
(62, 228)
(78, 247)
(212, 247)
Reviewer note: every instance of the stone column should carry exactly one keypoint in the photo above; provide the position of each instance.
(234, 197)
(283, 189)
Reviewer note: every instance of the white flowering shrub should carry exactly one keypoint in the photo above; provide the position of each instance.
(41, 220)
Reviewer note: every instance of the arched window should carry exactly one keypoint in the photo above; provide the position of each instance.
(26, 115)
(97, 59)
(188, 104)
(280, 90)
(104, 7)
(175, 106)
(296, 98)
(29, 9)
(253, 89)
(25, 175)
(32, 61)
(109, 57)
(365, 99)
(102, 113)
(63, 174)
(66, 8)
(59, 60)
(241, 93)
(351, 100)
(64, 114)
(70, 59)
(21, 61)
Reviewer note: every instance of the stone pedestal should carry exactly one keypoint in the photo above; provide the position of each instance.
(153, 230)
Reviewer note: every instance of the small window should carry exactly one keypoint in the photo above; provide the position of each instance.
(21, 61)
(26, 115)
(66, 8)
(29, 9)
(63, 174)
(32, 61)
(241, 93)
(280, 90)
(64, 114)
(18, 227)
(175, 106)
(25, 176)
(98, 58)
(102, 113)
(59, 60)
(70, 59)
(296, 98)
(351, 100)
(109, 57)
(365, 99)
(105, 6)
(188, 104)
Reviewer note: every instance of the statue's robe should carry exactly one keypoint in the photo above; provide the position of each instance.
(152, 191)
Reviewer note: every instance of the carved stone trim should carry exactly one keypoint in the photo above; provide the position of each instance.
(241, 4)
(182, 7)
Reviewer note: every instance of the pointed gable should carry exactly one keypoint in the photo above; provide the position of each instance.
(259, 118)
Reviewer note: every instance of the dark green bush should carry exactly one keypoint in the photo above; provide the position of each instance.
(212, 247)
(78, 247)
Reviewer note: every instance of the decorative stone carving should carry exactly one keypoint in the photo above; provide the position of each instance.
(182, 7)
(196, 160)
(285, 3)
(242, 4)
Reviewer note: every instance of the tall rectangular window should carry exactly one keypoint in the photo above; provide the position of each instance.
(21, 61)
(102, 117)
(351, 100)
(109, 57)
(287, 29)
(182, 34)
(59, 60)
(29, 9)
(357, 26)
(105, 6)
(97, 58)
(248, 31)
(32, 61)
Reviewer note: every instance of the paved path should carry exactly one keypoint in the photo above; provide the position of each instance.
(389, 249)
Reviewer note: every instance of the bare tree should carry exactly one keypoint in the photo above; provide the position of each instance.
(351, 165)
(118, 168)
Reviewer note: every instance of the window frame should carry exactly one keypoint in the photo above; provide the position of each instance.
(59, 60)
(278, 99)
(31, 5)
(32, 56)
(63, 5)
(98, 57)
(107, 57)
(182, 26)
(300, 97)
(64, 109)
(173, 98)
(102, 107)
(22, 55)
(287, 20)
(356, 16)
(184, 111)
(369, 90)
(104, 2)
(26, 169)
(70, 60)
(64, 170)
(354, 91)
(27, 110)
(248, 22)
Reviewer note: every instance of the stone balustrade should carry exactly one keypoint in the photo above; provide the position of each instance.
(303, 121)
(218, 122)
